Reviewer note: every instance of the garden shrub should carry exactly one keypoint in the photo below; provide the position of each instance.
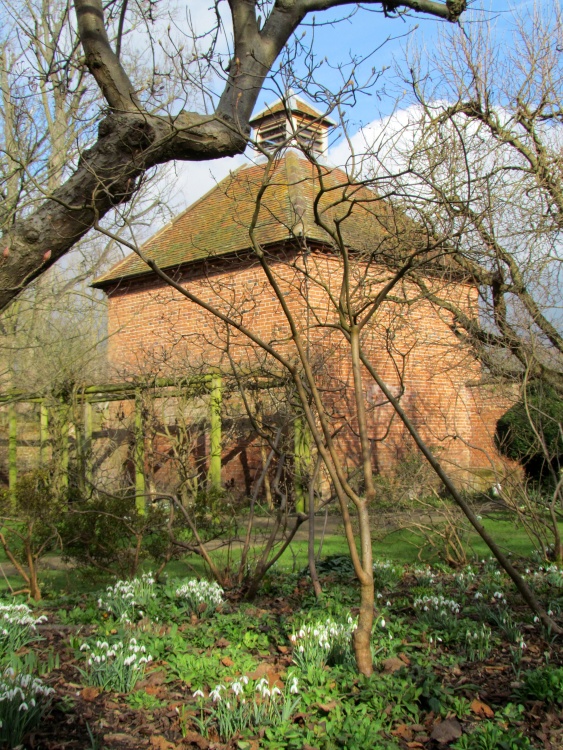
(107, 533)
(541, 414)
(31, 519)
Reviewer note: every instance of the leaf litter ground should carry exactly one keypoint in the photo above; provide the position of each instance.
(425, 692)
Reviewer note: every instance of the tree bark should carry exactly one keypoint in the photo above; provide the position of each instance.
(131, 140)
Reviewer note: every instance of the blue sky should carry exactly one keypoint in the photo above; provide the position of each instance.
(367, 34)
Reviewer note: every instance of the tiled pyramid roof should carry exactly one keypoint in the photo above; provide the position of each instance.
(218, 223)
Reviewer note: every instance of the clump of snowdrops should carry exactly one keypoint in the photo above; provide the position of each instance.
(199, 597)
(437, 610)
(323, 642)
(245, 704)
(17, 627)
(125, 597)
(386, 574)
(23, 701)
(478, 642)
(114, 666)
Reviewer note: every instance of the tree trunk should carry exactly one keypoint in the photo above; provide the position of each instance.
(362, 635)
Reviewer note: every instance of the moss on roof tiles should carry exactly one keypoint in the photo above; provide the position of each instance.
(218, 223)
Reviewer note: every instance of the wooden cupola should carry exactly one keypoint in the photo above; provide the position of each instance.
(292, 121)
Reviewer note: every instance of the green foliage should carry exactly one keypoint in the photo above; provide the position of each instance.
(544, 684)
(198, 597)
(530, 431)
(108, 533)
(17, 628)
(23, 701)
(118, 665)
(340, 565)
(478, 642)
(489, 736)
(30, 522)
(142, 701)
(125, 598)
(322, 642)
(246, 704)
(386, 575)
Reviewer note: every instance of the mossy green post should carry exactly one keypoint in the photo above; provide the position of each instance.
(301, 464)
(43, 432)
(12, 451)
(140, 486)
(87, 443)
(65, 426)
(215, 447)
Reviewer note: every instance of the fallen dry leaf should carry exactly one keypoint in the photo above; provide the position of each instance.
(446, 731)
(161, 743)
(403, 731)
(89, 693)
(392, 664)
(481, 709)
(266, 670)
(193, 738)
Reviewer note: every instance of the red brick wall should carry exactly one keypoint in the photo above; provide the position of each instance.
(154, 329)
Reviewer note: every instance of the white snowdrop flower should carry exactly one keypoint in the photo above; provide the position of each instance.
(536, 618)
(198, 694)
(244, 679)
(215, 694)
(382, 622)
(294, 688)
(237, 688)
(24, 707)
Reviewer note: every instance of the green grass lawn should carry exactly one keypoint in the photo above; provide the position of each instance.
(401, 547)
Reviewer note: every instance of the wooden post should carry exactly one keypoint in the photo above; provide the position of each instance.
(301, 464)
(12, 451)
(140, 486)
(215, 447)
(43, 432)
(87, 444)
(65, 426)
